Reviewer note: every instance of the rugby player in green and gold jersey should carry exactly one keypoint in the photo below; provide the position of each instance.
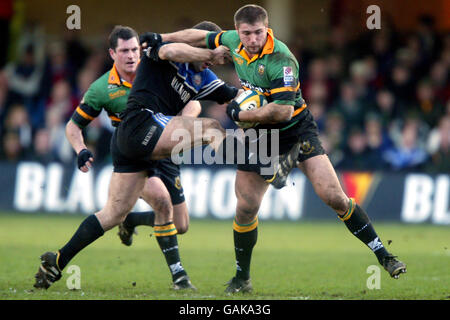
(264, 63)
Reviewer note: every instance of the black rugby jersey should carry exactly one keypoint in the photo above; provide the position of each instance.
(166, 87)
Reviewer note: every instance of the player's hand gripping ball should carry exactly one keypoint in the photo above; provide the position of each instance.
(248, 100)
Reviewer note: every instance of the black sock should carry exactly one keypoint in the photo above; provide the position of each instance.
(245, 237)
(134, 219)
(358, 222)
(166, 235)
(88, 231)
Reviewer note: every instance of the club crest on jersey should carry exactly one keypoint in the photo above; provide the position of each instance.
(178, 183)
(288, 76)
(238, 60)
(261, 69)
(197, 79)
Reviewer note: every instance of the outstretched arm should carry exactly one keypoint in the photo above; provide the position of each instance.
(182, 52)
(194, 37)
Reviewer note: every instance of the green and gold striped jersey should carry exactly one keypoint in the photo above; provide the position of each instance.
(108, 92)
(274, 72)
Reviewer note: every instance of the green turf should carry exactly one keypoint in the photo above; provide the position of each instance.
(292, 260)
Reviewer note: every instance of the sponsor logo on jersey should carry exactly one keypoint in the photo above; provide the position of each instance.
(117, 94)
(288, 76)
(245, 83)
(179, 88)
(149, 135)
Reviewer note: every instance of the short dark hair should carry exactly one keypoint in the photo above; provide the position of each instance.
(250, 13)
(207, 26)
(121, 32)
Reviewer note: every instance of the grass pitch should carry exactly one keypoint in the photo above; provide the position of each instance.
(291, 261)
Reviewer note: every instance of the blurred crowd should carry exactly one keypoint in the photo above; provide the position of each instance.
(381, 100)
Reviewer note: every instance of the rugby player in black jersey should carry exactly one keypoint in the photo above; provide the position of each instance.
(168, 77)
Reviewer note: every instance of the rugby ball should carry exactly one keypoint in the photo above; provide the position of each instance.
(250, 100)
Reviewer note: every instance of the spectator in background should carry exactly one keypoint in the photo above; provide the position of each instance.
(439, 146)
(59, 146)
(60, 66)
(427, 106)
(12, 150)
(17, 121)
(349, 106)
(334, 136)
(28, 77)
(357, 155)
(316, 87)
(401, 85)
(385, 107)
(76, 52)
(382, 50)
(42, 152)
(61, 98)
(378, 140)
(439, 78)
(362, 76)
(336, 72)
(355, 151)
(407, 155)
(318, 111)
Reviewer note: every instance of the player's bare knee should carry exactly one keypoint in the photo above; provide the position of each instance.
(162, 207)
(182, 228)
(247, 210)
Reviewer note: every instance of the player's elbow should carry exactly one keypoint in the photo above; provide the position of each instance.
(167, 52)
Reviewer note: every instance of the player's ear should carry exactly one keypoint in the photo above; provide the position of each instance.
(112, 53)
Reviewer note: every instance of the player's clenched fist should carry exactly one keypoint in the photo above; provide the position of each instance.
(233, 110)
(85, 158)
(150, 39)
(221, 55)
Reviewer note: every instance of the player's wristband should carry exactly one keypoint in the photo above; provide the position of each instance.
(233, 110)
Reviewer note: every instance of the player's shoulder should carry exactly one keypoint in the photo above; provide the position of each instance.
(97, 91)
(281, 56)
(101, 83)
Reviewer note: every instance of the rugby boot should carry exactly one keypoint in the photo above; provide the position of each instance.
(183, 283)
(393, 266)
(126, 234)
(286, 162)
(48, 271)
(236, 285)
